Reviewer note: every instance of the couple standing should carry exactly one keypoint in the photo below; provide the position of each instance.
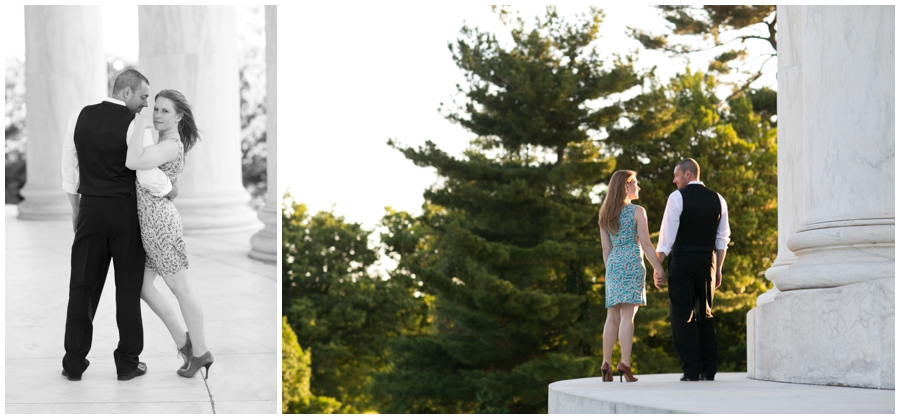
(695, 232)
(121, 187)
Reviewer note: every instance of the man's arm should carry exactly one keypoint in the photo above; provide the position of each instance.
(670, 223)
(720, 258)
(70, 174)
(723, 237)
(153, 179)
(74, 200)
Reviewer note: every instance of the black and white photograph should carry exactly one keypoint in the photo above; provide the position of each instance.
(140, 217)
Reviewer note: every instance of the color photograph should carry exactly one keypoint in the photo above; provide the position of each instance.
(589, 209)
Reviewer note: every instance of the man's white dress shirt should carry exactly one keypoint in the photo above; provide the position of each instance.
(672, 219)
(153, 179)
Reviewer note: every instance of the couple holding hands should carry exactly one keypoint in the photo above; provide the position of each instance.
(695, 234)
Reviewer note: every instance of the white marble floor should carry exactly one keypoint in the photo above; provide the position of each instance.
(239, 299)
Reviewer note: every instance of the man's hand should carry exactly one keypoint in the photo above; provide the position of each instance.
(75, 220)
(659, 279)
(173, 193)
(718, 278)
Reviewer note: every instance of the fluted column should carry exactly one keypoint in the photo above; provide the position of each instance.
(264, 243)
(65, 70)
(846, 233)
(192, 49)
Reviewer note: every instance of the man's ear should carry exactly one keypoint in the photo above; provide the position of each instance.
(127, 92)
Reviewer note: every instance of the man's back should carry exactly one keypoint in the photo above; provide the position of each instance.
(101, 146)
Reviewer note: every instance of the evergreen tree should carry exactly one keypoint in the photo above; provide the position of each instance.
(737, 153)
(296, 396)
(507, 245)
(336, 307)
(717, 27)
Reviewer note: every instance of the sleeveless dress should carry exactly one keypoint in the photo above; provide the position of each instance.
(161, 230)
(625, 271)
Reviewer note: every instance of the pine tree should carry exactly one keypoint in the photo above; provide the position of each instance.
(507, 245)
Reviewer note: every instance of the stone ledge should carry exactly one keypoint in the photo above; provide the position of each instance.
(730, 393)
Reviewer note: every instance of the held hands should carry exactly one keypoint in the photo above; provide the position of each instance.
(659, 278)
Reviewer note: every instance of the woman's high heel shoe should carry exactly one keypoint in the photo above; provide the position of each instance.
(196, 363)
(606, 370)
(626, 371)
(185, 351)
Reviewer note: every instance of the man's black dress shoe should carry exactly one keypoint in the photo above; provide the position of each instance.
(72, 377)
(704, 377)
(686, 378)
(139, 371)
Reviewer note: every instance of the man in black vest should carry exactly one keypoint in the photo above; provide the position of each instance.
(104, 216)
(695, 232)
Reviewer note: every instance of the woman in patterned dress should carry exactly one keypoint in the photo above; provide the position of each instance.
(161, 229)
(626, 240)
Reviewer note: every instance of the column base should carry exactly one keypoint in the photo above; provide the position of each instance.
(264, 244)
(841, 336)
(44, 204)
(216, 212)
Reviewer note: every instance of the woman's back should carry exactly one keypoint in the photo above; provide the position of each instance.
(625, 271)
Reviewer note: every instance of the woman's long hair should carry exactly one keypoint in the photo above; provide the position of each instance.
(616, 196)
(187, 128)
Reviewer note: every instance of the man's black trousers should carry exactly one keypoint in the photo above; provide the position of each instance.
(107, 228)
(691, 289)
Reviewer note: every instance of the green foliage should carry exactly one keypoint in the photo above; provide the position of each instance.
(711, 24)
(507, 244)
(337, 308)
(737, 153)
(296, 396)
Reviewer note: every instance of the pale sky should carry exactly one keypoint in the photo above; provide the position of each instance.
(370, 73)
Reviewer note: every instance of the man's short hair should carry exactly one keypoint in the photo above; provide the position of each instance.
(129, 78)
(689, 165)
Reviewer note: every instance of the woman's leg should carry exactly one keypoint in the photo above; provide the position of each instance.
(190, 310)
(161, 307)
(626, 330)
(609, 332)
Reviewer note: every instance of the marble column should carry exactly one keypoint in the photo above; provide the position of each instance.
(264, 243)
(65, 69)
(192, 49)
(846, 233)
(833, 322)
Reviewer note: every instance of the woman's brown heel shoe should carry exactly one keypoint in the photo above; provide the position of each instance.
(196, 363)
(626, 371)
(606, 370)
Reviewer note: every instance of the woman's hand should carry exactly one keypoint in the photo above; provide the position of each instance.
(659, 278)
(140, 122)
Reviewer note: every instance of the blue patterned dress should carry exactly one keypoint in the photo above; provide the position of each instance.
(625, 271)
